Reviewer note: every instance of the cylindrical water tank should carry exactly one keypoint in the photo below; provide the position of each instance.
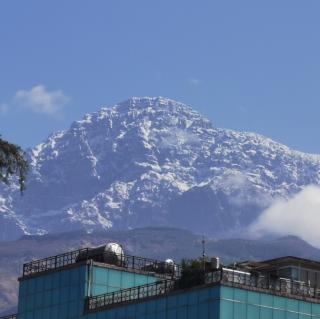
(170, 266)
(169, 262)
(114, 250)
(215, 262)
(111, 253)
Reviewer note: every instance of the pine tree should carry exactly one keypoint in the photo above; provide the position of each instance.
(12, 163)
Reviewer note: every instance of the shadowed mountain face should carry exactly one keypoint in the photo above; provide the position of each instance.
(151, 161)
(159, 243)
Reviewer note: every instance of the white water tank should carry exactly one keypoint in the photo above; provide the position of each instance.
(115, 248)
(169, 262)
(111, 253)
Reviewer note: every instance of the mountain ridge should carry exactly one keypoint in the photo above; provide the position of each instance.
(139, 162)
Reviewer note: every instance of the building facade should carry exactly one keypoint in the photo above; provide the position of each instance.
(69, 287)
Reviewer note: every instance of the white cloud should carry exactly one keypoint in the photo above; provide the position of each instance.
(177, 136)
(241, 190)
(40, 100)
(298, 216)
(234, 179)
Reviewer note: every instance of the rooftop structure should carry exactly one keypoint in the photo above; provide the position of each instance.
(101, 283)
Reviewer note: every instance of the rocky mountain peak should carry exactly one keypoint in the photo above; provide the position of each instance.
(153, 161)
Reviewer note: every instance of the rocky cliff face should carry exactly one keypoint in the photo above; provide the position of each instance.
(150, 161)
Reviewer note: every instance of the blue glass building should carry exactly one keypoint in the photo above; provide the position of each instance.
(66, 287)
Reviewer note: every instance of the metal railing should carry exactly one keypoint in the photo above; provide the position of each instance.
(125, 261)
(283, 286)
(9, 317)
(129, 294)
(52, 262)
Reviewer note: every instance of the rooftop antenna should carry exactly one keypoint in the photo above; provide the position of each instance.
(203, 255)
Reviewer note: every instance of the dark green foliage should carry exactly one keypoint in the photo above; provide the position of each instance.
(12, 162)
(192, 273)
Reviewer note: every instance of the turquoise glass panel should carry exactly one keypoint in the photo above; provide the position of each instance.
(292, 315)
(292, 305)
(161, 304)
(55, 295)
(182, 312)
(279, 314)
(253, 298)
(172, 313)
(316, 310)
(203, 309)
(172, 302)
(264, 306)
(192, 311)
(253, 311)
(265, 313)
(162, 315)
(62, 297)
(192, 297)
(227, 292)
(105, 280)
(31, 286)
(266, 300)
(226, 309)
(240, 295)
(240, 310)
(177, 307)
(23, 289)
(128, 280)
(305, 307)
(203, 295)
(140, 310)
(182, 300)
(280, 302)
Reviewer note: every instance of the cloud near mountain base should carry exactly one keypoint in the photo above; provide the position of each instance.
(300, 216)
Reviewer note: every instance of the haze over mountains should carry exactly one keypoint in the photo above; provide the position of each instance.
(152, 161)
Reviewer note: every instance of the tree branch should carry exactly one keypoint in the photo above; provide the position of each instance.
(12, 162)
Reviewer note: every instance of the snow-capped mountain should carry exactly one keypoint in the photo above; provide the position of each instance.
(151, 161)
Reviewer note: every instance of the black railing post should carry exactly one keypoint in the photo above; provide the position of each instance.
(87, 303)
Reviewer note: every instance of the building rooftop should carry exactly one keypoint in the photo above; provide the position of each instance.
(280, 262)
(153, 279)
(128, 262)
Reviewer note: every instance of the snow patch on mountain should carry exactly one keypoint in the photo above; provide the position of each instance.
(139, 162)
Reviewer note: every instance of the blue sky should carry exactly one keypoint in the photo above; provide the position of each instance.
(246, 65)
